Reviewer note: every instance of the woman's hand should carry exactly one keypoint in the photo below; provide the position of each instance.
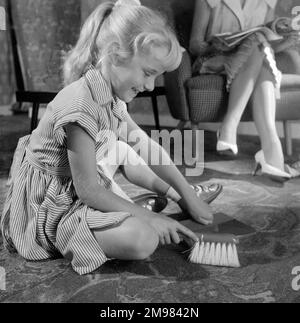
(219, 47)
(293, 38)
(171, 231)
(197, 208)
(287, 42)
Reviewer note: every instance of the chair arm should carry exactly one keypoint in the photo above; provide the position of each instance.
(175, 84)
(288, 61)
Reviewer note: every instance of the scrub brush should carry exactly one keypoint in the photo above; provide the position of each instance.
(216, 249)
(217, 244)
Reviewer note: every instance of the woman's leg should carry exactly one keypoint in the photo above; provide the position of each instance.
(133, 239)
(240, 92)
(264, 112)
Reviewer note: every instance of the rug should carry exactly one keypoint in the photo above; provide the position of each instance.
(269, 259)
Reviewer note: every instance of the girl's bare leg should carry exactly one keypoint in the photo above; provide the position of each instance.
(133, 239)
(139, 173)
(135, 169)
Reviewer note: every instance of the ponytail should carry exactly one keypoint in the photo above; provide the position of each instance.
(119, 31)
(85, 51)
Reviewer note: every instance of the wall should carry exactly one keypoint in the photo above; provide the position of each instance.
(46, 27)
(285, 6)
(6, 80)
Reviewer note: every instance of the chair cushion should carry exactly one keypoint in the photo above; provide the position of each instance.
(208, 99)
(288, 107)
(290, 82)
(207, 82)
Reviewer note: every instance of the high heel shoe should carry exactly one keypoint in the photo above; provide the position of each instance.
(268, 170)
(225, 148)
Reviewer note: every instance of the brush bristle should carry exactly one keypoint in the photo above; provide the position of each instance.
(215, 254)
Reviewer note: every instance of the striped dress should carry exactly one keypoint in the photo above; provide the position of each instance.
(43, 217)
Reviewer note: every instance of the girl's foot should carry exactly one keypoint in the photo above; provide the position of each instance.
(208, 193)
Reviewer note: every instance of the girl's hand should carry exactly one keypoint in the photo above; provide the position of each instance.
(171, 231)
(197, 208)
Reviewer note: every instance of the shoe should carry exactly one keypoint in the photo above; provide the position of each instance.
(208, 193)
(225, 148)
(151, 202)
(293, 170)
(268, 170)
(296, 166)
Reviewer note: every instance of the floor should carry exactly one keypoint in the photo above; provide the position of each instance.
(268, 257)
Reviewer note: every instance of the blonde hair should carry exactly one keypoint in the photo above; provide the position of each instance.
(123, 29)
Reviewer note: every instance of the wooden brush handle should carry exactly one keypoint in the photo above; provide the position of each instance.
(217, 237)
(211, 238)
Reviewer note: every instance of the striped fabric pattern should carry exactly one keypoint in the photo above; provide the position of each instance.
(43, 217)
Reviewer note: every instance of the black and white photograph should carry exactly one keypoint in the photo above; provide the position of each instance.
(149, 155)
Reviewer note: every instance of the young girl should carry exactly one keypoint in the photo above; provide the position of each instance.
(63, 198)
(250, 70)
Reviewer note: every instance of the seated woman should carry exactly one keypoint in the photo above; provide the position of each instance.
(250, 69)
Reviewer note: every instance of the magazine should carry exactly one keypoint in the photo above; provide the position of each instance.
(274, 31)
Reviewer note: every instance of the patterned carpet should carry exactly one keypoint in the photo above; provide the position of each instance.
(267, 258)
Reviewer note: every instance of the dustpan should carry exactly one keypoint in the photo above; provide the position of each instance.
(222, 224)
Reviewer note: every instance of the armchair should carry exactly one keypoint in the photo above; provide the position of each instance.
(204, 98)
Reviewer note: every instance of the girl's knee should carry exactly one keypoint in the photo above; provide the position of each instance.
(121, 151)
(131, 157)
(134, 239)
(125, 151)
(142, 241)
(122, 146)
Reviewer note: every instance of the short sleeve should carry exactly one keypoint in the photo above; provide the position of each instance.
(79, 113)
(213, 3)
(271, 3)
(122, 108)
